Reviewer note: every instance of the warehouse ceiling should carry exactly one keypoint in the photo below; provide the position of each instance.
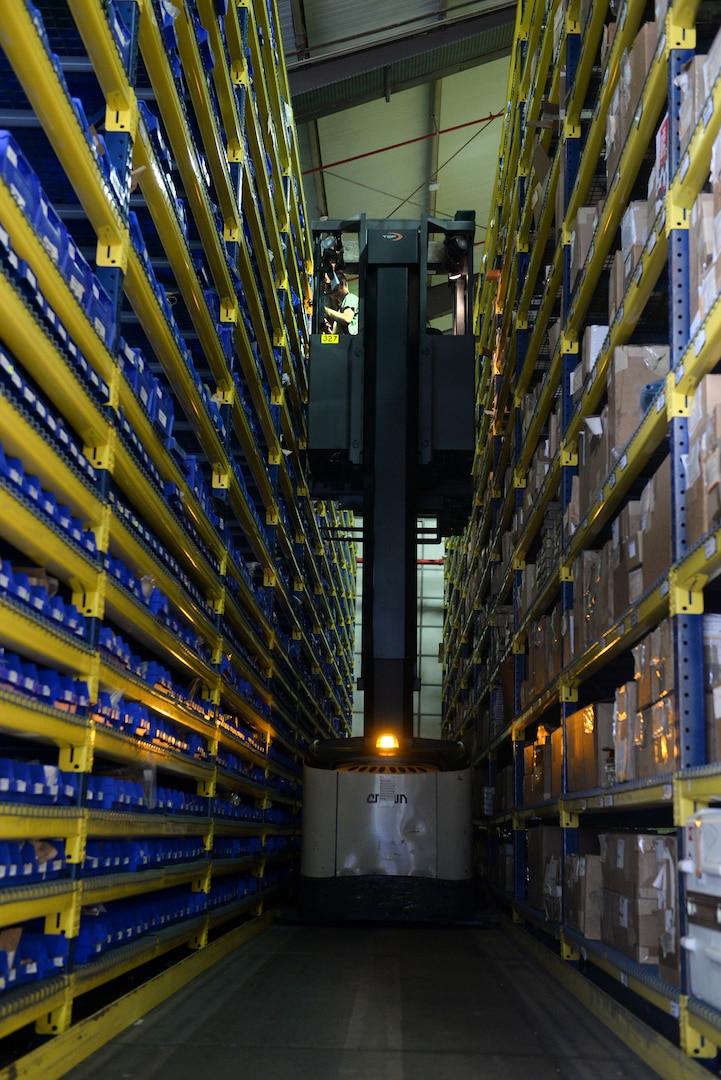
(399, 105)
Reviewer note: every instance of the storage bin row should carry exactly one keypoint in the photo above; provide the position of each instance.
(47, 685)
(135, 719)
(66, 44)
(131, 519)
(21, 392)
(29, 486)
(242, 731)
(227, 760)
(21, 274)
(118, 922)
(144, 589)
(23, 184)
(151, 393)
(27, 956)
(227, 889)
(22, 863)
(35, 783)
(235, 847)
(114, 646)
(131, 856)
(241, 685)
(18, 585)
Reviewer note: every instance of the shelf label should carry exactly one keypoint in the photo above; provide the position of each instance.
(684, 165)
(612, 480)
(699, 341)
(652, 242)
(639, 272)
(667, 792)
(708, 112)
(584, 952)
(633, 619)
(608, 800)
(624, 978)
(661, 401)
(664, 588)
(674, 1009)
(678, 374)
(623, 462)
(710, 547)
(619, 314)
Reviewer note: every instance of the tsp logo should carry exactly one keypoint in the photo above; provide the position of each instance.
(374, 797)
(392, 235)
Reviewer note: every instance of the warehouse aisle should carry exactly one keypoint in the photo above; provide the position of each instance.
(359, 1002)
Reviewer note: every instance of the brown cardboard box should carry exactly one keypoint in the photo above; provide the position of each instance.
(634, 225)
(712, 704)
(583, 230)
(656, 499)
(556, 762)
(656, 745)
(583, 895)
(591, 345)
(692, 86)
(629, 863)
(615, 134)
(669, 944)
(624, 713)
(616, 285)
(640, 58)
(700, 252)
(630, 924)
(706, 397)
(632, 368)
(589, 732)
(543, 842)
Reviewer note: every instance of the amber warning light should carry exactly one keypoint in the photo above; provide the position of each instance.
(387, 742)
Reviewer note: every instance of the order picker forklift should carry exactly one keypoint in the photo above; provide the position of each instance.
(391, 435)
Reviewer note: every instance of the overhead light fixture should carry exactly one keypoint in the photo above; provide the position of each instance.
(434, 185)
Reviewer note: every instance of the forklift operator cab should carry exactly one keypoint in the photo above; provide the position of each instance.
(397, 268)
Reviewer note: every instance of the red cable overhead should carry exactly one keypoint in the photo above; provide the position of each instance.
(406, 142)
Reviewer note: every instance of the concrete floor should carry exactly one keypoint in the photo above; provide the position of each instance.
(360, 1002)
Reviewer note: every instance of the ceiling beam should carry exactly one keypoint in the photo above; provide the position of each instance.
(352, 76)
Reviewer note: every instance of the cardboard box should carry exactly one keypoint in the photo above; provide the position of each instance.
(656, 500)
(634, 225)
(616, 285)
(630, 924)
(583, 895)
(581, 237)
(701, 254)
(705, 399)
(692, 86)
(542, 842)
(624, 713)
(656, 743)
(632, 368)
(633, 75)
(591, 345)
(669, 943)
(557, 763)
(589, 737)
(629, 863)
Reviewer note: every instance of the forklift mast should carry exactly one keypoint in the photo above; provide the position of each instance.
(391, 423)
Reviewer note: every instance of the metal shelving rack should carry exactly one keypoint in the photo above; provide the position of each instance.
(525, 288)
(201, 628)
